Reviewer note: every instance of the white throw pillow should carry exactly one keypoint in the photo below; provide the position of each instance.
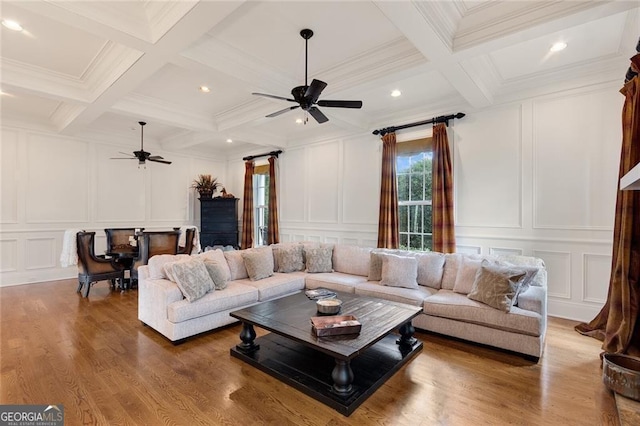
(219, 273)
(156, 264)
(258, 262)
(236, 264)
(217, 256)
(466, 275)
(399, 271)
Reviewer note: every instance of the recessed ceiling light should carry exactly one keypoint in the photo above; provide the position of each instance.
(396, 93)
(204, 89)
(558, 46)
(298, 120)
(229, 140)
(12, 25)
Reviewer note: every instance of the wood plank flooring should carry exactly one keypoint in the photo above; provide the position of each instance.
(94, 357)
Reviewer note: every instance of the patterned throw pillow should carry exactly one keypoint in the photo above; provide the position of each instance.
(288, 258)
(497, 286)
(259, 262)
(192, 279)
(318, 259)
(237, 268)
(218, 272)
(399, 271)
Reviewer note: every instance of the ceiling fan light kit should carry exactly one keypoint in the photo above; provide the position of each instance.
(142, 156)
(307, 96)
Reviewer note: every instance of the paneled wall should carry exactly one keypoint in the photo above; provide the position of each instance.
(536, 177)
(50, 183)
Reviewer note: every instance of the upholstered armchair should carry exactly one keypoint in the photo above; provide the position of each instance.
(91, 268)
(190, 234)
(151, 244)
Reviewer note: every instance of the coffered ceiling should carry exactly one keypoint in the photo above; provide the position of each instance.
(94, 69)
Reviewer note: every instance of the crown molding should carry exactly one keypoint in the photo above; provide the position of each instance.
(64, 114)
(109, 64)
(162, 16)
(443, 17)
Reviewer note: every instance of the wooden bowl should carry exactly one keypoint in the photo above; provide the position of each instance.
(621, 374)
(329, 306)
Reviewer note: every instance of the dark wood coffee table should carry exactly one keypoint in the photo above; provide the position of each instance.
(340, 371)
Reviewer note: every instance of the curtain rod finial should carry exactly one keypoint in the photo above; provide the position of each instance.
(460, 115)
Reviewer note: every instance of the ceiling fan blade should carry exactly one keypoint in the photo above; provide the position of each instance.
(313, 91)
(318, 115)
(274, 97)
(155, 160)
(282, 111)
(155, 157)
(122, 158)
(340, 104)
(124, 153)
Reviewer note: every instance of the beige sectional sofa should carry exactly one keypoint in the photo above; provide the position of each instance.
(440, 285)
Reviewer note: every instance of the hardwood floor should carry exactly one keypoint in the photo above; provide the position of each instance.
(94, 357)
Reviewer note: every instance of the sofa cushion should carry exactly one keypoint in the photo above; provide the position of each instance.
(399, 271)
(287, 258)
(351, 259)
(497, 285)
(318, 259)
(409, 296)
(336, 281)
(234, 296)
(430, 268)
(540, 278)
(278, 285)
(156, 264)
(192, 279)
(258, 262)
(236, 264)
(456, 306)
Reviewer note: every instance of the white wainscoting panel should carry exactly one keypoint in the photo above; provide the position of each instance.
(464, 249)
(558, 266)
(576, 141)
(120, 189)
(40, 253)
(169, 187)
(331, 240)
(369, 242)
(8, 255)
(322, 189)
(62, 196)
(293, 186)
(361, 181)
(596, 274)
(350, 241)
(488, 169)
(505, 251)
(9, 163)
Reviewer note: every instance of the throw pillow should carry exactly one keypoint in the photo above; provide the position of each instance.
(399, 271)
(430, 269)
(156, 264)
(318, 259)
(258, 262)
(288, 258)
(497, 285)
(217, 255)
(466, 275)
(219, 273)
(192, 279)
(236, 264)
(375, 262)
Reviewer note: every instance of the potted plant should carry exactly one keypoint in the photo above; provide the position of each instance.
(205, 185)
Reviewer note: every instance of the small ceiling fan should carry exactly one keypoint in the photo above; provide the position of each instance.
(142, 156)
(307, 96)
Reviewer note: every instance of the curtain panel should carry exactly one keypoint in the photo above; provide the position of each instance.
(247, 209)
(388, 232)
(618, 323)
(273, 227)
(444, 239)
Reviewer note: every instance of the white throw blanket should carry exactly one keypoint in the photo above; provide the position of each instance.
(69, 255)
(182, 242)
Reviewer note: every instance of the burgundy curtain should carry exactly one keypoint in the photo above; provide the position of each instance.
(444, 239)
(388, 234)
(247, 209)
(273, 229)
(618, 323)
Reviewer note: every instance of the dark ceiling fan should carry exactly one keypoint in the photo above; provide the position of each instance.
(142, 156)
(307, 96)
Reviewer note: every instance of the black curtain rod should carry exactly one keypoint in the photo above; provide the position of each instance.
(266, 154)
(441, 119)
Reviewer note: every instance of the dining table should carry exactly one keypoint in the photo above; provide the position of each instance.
(125, 255)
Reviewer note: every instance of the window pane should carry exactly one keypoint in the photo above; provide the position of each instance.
(415, 219)
(417, 187)
(428, 220)
(417, 163)
(415, 241)
(404, 241)
(402, 165)
(403, 217)
(428, 177)
(403, 187)
(428, 242)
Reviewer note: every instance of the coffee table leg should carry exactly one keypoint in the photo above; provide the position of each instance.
(342, 376)
(247, 335)
(406, 335)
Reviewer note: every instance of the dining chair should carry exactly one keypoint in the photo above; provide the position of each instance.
(119, 237)
(190, 234)
(151, 244)
(91, 268)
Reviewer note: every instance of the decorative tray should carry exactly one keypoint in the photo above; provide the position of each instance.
(332, 326)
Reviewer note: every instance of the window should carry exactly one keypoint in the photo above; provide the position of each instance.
(261, 206)
(413, 173)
